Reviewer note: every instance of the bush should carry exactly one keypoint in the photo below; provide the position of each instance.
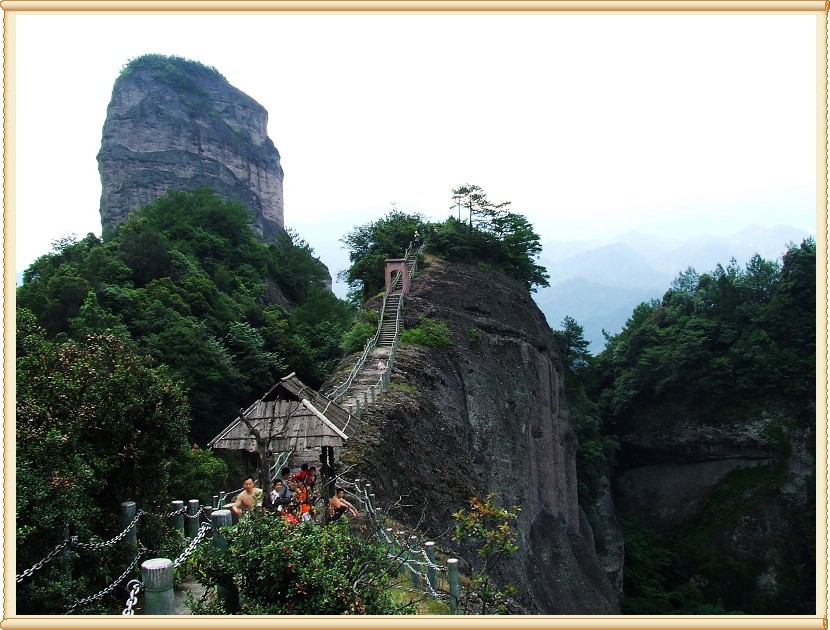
(355, 339)
(429, 333)
(304, 569)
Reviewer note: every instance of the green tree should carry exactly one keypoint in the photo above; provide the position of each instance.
(480, 210)
(96, 424)
(371, 244)
(490, 528)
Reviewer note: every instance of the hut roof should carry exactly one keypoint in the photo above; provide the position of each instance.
(295, 416)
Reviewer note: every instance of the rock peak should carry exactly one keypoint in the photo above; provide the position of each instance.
(174, 123)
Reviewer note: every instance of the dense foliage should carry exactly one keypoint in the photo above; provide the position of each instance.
(187, 280)
(493, 239)
(96, 424)
(722, 343)
(491, 530)
(302, 569)
(719, 348)
(595, 455)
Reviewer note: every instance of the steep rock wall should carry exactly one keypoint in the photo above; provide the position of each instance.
(176, 124)
(486, 415)
(745, 491)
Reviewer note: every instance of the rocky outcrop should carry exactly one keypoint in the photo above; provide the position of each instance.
(177, 124)
(486, 415)
(742, 492)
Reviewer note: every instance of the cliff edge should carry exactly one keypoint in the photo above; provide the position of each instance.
(486, 415)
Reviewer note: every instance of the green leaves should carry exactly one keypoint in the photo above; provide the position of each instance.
(188, 281)
(491, 530)
(302, 569)
(720, 342)
(430, 332)
(371, 244)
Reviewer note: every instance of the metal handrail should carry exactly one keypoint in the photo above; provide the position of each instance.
(340, 390)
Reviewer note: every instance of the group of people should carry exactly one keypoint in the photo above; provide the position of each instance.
(292, 497)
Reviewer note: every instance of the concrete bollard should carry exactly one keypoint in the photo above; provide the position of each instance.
(208, 510)
(225, 590)
(390, 541)
(414, 573)
(452, 578)
(192, 521)
(157, 576)
(215, 501)
(358, 498)
(128, 511)
(219, 519)
(177, 520)
(372, 393)
(432, 578)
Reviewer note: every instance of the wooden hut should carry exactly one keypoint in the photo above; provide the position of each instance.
(290, 417)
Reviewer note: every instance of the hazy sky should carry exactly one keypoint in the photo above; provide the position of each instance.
(592, 125)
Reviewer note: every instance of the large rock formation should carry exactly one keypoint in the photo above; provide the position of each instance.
(177, 124)
(735, 501)
(486, 415)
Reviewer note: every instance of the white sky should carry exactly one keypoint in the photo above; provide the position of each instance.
(592, 125)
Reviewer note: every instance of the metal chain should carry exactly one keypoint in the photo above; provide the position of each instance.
(109, 543)
(142, 549)
(39, 565)
(181, 510)
(200, 536)
(133, 586)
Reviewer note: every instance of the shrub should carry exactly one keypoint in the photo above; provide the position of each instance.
(305, 569)
(429, 333)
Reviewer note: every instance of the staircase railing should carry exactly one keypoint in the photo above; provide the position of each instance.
(339, 391)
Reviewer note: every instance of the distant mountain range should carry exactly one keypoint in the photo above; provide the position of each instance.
(599, 282)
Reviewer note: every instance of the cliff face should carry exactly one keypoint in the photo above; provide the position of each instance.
(174, 123)
(486, 415)
(742, 493)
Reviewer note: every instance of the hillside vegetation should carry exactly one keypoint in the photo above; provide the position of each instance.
(187, 283)
(720, 352)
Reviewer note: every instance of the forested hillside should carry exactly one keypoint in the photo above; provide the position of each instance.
(186, 281)
(699, 418)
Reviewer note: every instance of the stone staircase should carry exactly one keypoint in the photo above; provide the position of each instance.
(359, 391)
(388, 328)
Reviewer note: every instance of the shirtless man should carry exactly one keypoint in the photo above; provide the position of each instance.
(338, 506)
(248, 498)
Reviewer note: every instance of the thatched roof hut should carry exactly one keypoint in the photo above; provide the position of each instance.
(294, 416)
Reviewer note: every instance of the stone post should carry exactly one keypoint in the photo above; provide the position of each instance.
(452, 578)
(177, 521)
(414, 574)
(157, 576)
(432, 578)
(192, 521)
(128, 511)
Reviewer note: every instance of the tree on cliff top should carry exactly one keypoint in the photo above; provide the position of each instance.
(371, 244)
(494, 239)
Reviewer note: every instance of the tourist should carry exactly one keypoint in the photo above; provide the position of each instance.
(247, 499)
(280, 495)
(303, 499)
(338, 506)
(303, 474)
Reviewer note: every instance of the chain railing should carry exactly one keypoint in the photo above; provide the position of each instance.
(423, 574)
(111, 541)
(87, 600)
